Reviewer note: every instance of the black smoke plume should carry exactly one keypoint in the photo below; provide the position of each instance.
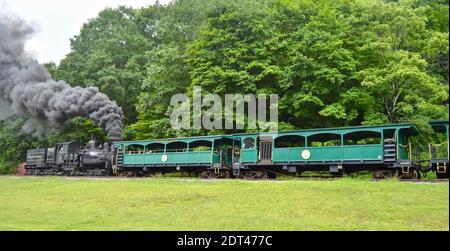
(26, 88)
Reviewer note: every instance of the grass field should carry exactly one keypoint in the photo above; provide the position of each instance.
(34, 203)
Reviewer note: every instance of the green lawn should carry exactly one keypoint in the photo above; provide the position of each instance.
(35, 203)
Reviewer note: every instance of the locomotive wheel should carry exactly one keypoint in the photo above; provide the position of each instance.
(383, 174)
(411, 175)
(126, 174)
(240, 175)
(222, 175)
(271, 175)
(206, 175)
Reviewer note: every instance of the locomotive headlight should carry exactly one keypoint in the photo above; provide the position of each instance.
(93, 153)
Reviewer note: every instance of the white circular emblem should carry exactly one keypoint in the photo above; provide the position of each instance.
(164, 158)
(306, 154)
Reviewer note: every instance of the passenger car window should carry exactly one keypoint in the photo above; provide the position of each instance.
(249, 143)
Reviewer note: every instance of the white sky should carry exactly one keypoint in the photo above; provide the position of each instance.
(59, 20)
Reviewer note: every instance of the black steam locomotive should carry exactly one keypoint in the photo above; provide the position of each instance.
(70, 159)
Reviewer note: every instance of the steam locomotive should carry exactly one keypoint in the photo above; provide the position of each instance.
(70, 159)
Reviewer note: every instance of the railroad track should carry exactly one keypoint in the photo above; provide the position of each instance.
(418, 180)
(312, 178)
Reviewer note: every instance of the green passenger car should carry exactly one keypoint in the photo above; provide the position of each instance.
(379, 145)
(206, 151)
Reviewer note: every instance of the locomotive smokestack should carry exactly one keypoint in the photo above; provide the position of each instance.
(26, 88)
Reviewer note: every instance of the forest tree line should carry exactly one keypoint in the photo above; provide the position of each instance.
(332, 63)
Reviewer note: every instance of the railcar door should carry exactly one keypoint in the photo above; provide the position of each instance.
(265, 150)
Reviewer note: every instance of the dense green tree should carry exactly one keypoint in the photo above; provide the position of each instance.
(109, 53)
(394, 73)
(322, 67)
(332, 63)
(322, 59)
(167, 71)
